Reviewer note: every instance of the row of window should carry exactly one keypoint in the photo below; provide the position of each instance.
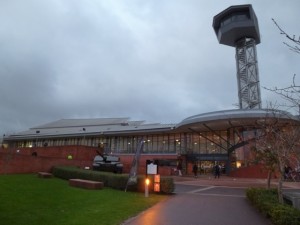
(235, 17)
(204, 143)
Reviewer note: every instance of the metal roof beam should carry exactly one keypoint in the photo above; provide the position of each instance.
(214, 132)
(208, 139)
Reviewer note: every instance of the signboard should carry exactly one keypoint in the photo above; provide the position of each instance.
(151, 168)
(157, 178)
(157, 187)
(157, 183)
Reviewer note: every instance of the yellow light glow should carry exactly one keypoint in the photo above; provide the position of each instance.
(238, 164)
(147, 181)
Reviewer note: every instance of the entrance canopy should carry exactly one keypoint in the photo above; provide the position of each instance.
(223, 120)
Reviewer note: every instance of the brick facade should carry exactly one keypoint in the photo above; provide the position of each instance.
(254, 171)
(34, 160)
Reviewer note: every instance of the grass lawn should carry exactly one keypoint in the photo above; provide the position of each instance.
(27, 199)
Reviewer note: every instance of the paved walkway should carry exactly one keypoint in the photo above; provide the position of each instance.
(232, 182)
(207, 201)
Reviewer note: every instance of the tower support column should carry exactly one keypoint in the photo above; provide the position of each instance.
(247, 74)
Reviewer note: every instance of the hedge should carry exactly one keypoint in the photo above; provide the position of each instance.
(112, 180)
(266, 201)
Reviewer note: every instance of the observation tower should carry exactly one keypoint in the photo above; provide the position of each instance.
(237, 26)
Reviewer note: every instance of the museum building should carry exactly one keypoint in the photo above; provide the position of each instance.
(223, 137)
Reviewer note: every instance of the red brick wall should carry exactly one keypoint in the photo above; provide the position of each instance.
(21, 160)
(254, 171)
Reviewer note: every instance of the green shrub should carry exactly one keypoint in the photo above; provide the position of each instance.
(284, 215)
(262, 199)
(116, 181)
(112, 180)
(266, 201)
(167, 185)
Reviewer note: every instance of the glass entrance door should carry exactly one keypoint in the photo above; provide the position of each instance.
(207, 167)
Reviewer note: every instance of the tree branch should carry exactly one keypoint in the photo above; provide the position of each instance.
(293, 39)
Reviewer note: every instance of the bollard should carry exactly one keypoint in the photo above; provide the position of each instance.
(147, 182)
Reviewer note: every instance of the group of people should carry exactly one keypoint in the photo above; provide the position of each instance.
(216, 170)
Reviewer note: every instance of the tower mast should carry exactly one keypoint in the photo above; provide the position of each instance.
(237, 27)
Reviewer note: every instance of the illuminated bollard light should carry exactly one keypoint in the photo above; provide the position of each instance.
(147, 182)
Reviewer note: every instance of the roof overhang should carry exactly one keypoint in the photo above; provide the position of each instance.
(223, 120)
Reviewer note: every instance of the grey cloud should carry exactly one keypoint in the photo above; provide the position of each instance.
(148, 60)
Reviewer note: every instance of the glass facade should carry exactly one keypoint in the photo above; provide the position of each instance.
(204, 143)
(204, 148)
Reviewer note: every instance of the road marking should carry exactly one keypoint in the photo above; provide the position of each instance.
(221, 195)
(197, 191)
(201, 189)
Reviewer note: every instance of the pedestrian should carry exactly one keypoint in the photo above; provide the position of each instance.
(195, 170)
(179, 168)
(287, 172)
(217, 171)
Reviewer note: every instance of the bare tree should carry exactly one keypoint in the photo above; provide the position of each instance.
(264, 156)
(277, 145)
(290, 93)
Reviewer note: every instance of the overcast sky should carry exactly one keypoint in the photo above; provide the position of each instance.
(154, 60)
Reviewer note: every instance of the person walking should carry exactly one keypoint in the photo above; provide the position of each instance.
(217, 171)
(195, 170)
(179, 168)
